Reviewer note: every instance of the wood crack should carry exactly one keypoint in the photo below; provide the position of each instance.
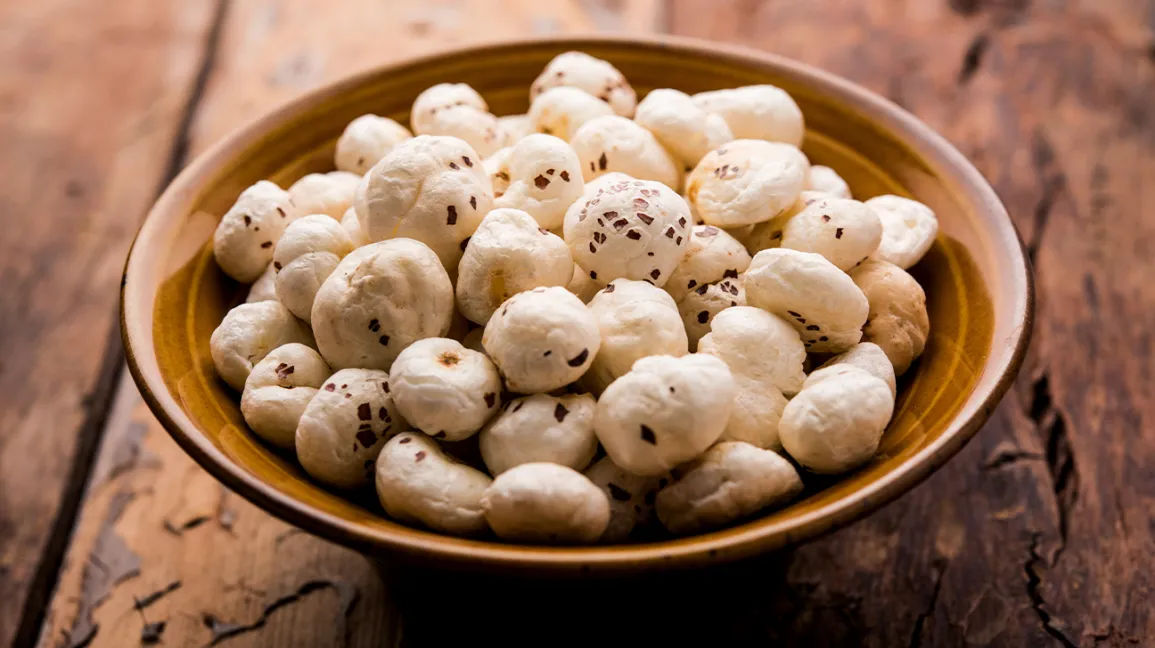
(931, 604)
(1009, 458)
(1052, 181)
(973, 57)
(1034, 581)
(225, 630)
(1060, 460)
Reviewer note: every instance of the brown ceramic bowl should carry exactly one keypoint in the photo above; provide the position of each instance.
(976, 278)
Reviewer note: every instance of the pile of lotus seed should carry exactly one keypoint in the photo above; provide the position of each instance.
(638, 314)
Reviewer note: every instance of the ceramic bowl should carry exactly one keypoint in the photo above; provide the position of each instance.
(976, 278)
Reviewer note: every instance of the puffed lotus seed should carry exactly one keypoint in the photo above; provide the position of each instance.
(514, 127)
(867, 356)
(278, 389)
(380, 299)
(844, 231)
(712, 255)
(554, 429)
(768, 234)
(445, 389)
(542, 176)
(908, 230)
(563, 110)
(264, 288)
(699, 306)
(418, 482)
(593, 75)
(636, 320)
(820, 301)
(608, 144)
(631, 497)
(345, 425)
(423, 114)
(758, 406)
(759, 345)
(352, 228)
(478, 128)
(324, 193)
(835, 425)
(542, 339)
(365, 141)
(746, 181)
(664, 411)
(246, 335)
(545, 502)
(898, 321)
(244, 239)
(685, 129)
(826, 180)
(306, 255)
(762, 112)
(730, 481)
(581, 285)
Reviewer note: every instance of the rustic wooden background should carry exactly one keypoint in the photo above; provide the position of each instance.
(1040, 532)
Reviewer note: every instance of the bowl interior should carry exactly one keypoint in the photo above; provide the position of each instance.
(974, 276)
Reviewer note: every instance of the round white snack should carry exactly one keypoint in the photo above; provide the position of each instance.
(631, 229)
(430, 188)
(746, 181)
(264, 288)
(713, 255)
(435, 98)
(543, 177)
(731, 481)
(908, 229)
(345, 426)
(380, 299)
(609, 144)
(835, 425)
(324, 193)
(844, 231)
(306, 255)
(247, 333)
(554, 429)
(509, 253)
(867, 356)
(244, 239)
(542, 339)
(352, 228)
(497, 168)
(664, 412)
(768, 234)
(366, 140)
(631, 497)
(760, 112)
(561, 111)
(445, 389)
(581, 285)
(686, 130)
(636, 320)
(826, 180)
(514, 127)
(699, 306)
(418, 482)
(820, 301)
(545, 502)
(898, 321)
(597, 77)
(278, 389)
(759, 345)
(478, 128)
(757, 411)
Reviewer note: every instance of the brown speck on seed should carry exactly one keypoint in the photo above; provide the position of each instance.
(451, 219)
(702, 289)
(579, 359)
(385, 386)
(826, 218)
(453, 165)
(267, 244)
(490, 399)
(466, 160)
(405, 440)
(730, 273)
(541, 182)
(473, 202)
(549, 171)
(560, 412)
(838, 233)
(682, 221)
(703, 317)
(419, 456)
(374, 325)
(366, 438)
(248, 220)
(593, 248)
(649, 254)
(348, 395)
(608, 289)
(464, 243)
(648, 435)
(793, 314)
(672, 390)
(618, 493)
(593, 275)
(592, 167)
(383, 414)
(641, 203)
(655, 273)
(283, 370)
(448, 358)
(691, 283)
(645, 218)
(822, 338)
(364, 412)
(502, 175)
(276, 265)
(813, 327)
(564, 176)
(518, 406)
(548, 353)
(670, 232)
(602, 162)
(330, 387)
(383, 340)
(678, 241)
(281, 212)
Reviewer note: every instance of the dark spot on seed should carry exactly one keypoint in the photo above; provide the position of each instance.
(672, 390)
(348, 395)
(385, 386)
(383, 340)
(730, 273)
(473, 202)
(593, 248)
(648, 435)
(826, 218)
(678, 241)
(703, 317)
(276, 265)
(579, 359)
(541, 182)
(823, 338)
(248, 220)
(645, 218)
(649, 254)
(374, 325)
(620, 223)
(634, 235)
(559, 412)
(366, 437)
(405, 440)
(655, 273)
(518, 406)
(838, 233)
(465, 243)
(419, 456)
(702, 289)
(330, 387)
(593, 275)
(383, 414)
(565, 175)
(267, 244)
(452, 218)
(364, 412)
(490, 399)
(690, 284)
(793, 314)
(618, 493)
(466, 160)
(813, 327)
(548, 353)
(670, 232)
(283, 370)
(682, 221)
(453, 165)
(602, 162)
(608, 289)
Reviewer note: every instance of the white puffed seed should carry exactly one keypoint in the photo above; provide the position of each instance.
(545, 502)
(509, 253)
(324, 193)
(820, 301)
(757, 411)
(430, 188)
(844, 231)
(561, 111)
(542, 339)
(757, 344)
(712, 255)
(244, 239)
(246, 335)
(908, 229)
(762, 112)
(418, 482)
(730, 481)
(544, 178)
(687, 131)
(631, 497)
(699, 306)
(867, 356)
(497, 168)
(352, 228)
(898, 321)
(664, 411)
(264, 288)
(746, 181)
(345, 425)
(631, 229)
(478, 128)
(593, 75)
(306, 255)
(768, 234)
(581, 285)
(514, 127)
(380, 299)
(422, 115)
(835, 425)
(636, 320)
(366, 140)
(554, 429)
(826, 180)
(445, 389)
(608, 144)
(278, 389)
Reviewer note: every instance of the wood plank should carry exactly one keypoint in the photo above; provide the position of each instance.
(80, 164)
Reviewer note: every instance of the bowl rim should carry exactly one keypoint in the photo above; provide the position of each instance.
(430, 547)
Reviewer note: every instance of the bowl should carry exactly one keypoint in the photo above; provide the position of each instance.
(976, 278)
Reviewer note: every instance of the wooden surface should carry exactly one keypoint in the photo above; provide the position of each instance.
(1038, 533)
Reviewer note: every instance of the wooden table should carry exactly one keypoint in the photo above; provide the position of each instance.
(1040, 532)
